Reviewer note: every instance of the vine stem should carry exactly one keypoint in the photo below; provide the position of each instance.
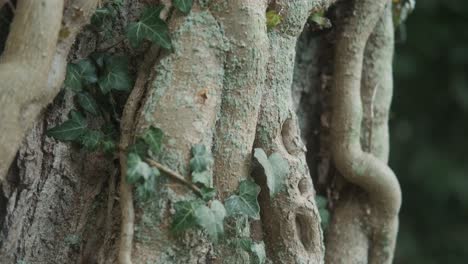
(174, 175)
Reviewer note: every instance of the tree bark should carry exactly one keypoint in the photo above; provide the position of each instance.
(232, 85)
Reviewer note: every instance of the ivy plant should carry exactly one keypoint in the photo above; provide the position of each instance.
(276, 170)
(150, 27)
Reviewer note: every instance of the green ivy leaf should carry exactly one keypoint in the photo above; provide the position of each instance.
(204, 178)
(245, 203)
(116, 75)
(138, 170)
(153, 138)
(69, 130)
(183, 5)
(208, 193)
(91, 139)
(139, 147)
(211, 219)
(108, 146)
(87, 102)
(145, 190)
(184, 217)
(201, 160)
(80, 74)
(276, 170)
(100, 58)
(150, 27)
(256, 249)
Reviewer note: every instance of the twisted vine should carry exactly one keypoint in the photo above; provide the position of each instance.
(358, 44)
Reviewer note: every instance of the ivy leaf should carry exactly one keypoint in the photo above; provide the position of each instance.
(256, 249)
(201, 160)
(100, 58)
(87, 102)
(183, 5)
(139, 147)
(150, 27)
(245, 203)
(211, 219)
(91, 139)
(207, 193)
(184, 216)
(69, 130)
(153, 138)
(116, 75)
(80, 74)
(276, 169)
(203, 178)
(145, 190)
(138, 170)
(108, 146)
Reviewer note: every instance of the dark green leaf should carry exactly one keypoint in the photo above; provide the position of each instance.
(256, 249)
(71, 129)
(108, 146)
(211, 219)
(276, 170)
(208, 193)
(116, 75)
(153, 138)
(245, 203)
(201, 160)
(140, 148)
(80, 75)
(184, 217)
(183, 5)
(91, 139)
(73, 78)
(100, 58)
(245, 244)
(87, 102)
(150, 27)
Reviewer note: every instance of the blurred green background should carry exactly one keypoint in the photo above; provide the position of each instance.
(429, 127)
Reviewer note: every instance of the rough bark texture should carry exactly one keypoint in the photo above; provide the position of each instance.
(229, 84)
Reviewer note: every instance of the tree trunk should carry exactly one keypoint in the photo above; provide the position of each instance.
(315, 98)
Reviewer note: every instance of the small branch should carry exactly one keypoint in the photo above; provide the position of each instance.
(174, 175)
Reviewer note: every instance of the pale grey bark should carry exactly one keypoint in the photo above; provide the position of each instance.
(228, 82)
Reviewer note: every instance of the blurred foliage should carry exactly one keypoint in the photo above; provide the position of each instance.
(429, 127)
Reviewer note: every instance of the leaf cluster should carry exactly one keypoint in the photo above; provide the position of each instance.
(139, 173)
